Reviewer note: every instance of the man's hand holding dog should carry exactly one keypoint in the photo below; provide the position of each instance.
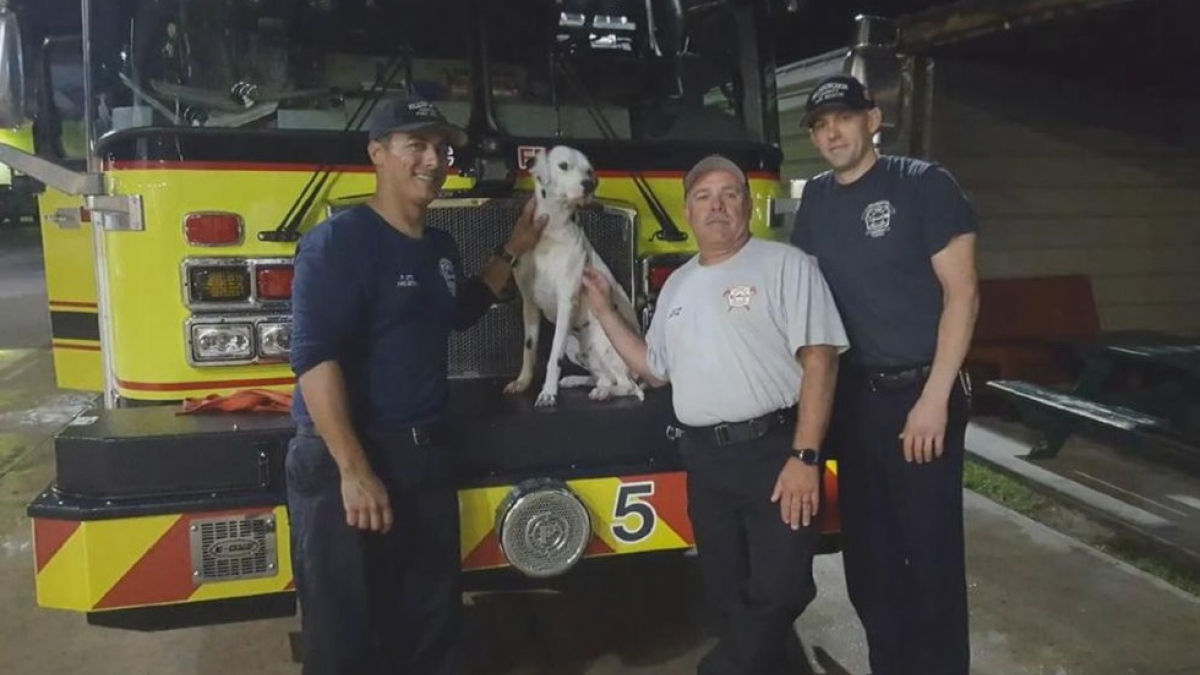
(527, 230)
(598, 291)
(525, 235)
(628, 343)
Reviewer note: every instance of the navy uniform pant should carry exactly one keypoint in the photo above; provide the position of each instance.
(757, 570)
(902, 526)
(374, 604)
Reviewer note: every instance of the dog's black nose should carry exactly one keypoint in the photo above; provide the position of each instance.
(589, 185)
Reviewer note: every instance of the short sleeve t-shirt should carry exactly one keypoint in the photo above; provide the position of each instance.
(874, 240)
(382, 305)
(726, 335)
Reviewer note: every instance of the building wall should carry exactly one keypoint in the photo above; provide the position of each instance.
(1068, 179)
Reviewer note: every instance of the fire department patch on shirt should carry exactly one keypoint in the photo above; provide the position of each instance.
(739, 296)
(878, 218)
(447, 269)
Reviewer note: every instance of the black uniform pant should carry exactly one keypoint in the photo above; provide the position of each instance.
(757, 571)
(374, 604)
(902, 526)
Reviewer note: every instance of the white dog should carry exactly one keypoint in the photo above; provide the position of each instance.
(549, 279)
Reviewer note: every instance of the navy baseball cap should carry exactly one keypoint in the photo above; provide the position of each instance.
(406, 115)
(836, 92)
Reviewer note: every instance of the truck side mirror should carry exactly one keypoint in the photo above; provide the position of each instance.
(12, 70)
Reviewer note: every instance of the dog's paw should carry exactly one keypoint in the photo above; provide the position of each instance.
(600, 393)
(572, 381)
(629, 389)
(546, 399)
(516, 386)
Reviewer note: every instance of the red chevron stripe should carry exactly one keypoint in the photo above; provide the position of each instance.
(163, 574)
(597, 546)
(830, 516)
(49, 536)
(486, 554)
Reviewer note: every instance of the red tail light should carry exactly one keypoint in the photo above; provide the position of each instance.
(659, 268)
(213, 229)
(275, 282)
(658, 277)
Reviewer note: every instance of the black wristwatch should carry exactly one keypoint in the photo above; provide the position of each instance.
(504, 255)
(807, 456)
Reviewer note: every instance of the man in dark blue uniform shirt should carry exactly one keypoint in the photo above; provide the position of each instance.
(895, 239)
(372, 501)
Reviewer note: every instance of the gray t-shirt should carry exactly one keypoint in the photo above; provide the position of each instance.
(726, 335)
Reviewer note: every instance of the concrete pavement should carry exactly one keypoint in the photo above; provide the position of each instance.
(1041, 603)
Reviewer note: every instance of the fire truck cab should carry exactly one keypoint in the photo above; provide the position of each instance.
(184, 147)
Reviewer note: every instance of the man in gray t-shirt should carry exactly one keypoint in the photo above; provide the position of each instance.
(748, 335)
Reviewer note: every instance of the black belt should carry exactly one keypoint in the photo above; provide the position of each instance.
(727, 433)
(421, 434)
(895, 380)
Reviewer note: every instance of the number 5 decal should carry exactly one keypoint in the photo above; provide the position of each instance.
(628, 504)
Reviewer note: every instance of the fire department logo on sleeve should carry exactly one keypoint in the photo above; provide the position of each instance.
(878, 218)
(739, 297)
(447, 269)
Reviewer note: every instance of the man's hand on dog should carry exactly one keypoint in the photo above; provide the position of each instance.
(366, 501)
(527, 230)
(598, 290)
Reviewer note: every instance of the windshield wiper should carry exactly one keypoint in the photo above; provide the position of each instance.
(667, 230)
(288, 229)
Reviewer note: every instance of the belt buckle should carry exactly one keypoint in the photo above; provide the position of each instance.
(721, 431)
(873, 383)
(420, 435)
(759, 427)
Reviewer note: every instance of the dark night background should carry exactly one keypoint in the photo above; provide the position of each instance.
(1148, 45)
(819, 26)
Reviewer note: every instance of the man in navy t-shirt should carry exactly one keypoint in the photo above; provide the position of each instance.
(895, 239)
(373, 506)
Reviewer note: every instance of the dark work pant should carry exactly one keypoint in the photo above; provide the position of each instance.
(374, 604)
(902, 527)
(757, 570)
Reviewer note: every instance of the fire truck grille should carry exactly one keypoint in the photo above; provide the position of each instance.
(492, 348)
(224, 549)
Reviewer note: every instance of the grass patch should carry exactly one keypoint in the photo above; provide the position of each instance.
(1012, 493)
(1003, 489)
(1179, 575)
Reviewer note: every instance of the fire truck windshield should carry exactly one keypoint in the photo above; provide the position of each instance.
(626, 69)
(619, 69)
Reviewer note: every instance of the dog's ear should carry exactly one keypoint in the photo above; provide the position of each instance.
(539, 167)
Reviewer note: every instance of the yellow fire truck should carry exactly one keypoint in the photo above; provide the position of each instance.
(185, 146)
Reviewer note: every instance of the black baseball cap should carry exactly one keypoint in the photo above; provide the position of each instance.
(407, 115)
(843, 92)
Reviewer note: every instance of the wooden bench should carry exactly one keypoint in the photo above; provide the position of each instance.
(1056, 415)
(1026, 329)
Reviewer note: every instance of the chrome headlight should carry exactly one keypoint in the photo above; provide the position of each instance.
(274, 339)
(543, 528)
(222, 342)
